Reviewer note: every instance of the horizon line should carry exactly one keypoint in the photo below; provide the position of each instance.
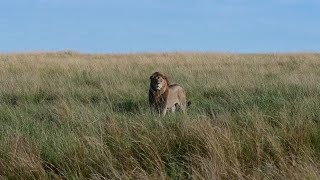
(67, 51)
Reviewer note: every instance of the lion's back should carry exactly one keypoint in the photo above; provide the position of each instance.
(176, 95)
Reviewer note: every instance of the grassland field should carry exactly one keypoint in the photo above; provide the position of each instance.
(85, 116)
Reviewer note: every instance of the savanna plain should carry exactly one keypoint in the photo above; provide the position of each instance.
(86, 116)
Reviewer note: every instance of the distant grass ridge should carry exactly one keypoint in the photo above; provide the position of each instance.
(68, 115)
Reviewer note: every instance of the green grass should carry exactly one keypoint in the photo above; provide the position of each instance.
(79, 116)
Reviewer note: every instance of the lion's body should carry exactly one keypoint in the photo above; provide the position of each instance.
(164, 97)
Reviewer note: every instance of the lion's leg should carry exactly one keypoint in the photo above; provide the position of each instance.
(183, 108)
(164, 112)
(154, 110)
(173, 109)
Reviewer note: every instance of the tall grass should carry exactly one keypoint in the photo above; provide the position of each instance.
(78, 116)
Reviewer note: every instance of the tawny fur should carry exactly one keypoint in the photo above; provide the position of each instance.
(164, 97)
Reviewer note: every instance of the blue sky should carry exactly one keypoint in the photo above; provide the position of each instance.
(121, 26)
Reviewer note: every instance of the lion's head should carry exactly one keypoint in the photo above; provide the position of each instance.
(158, 81)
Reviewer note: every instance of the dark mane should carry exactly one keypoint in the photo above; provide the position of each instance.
(158, 98)
(156, 74)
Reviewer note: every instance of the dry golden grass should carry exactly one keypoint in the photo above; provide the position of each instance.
(77, 116)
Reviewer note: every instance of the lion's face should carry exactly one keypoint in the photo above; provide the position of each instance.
(158, 81)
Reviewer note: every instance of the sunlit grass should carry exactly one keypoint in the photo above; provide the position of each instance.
(77, 116)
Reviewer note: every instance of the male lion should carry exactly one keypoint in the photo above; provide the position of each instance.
(163, 96)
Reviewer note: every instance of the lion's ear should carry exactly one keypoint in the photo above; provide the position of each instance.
(151, 77)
